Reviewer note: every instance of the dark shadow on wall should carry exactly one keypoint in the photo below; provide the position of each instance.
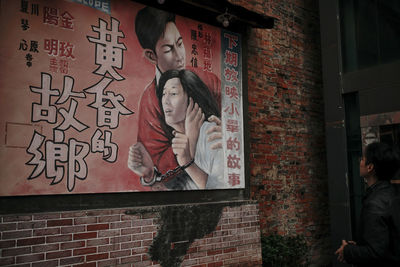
(180, 226)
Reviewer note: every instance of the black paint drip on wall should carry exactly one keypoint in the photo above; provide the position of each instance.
(180, 226)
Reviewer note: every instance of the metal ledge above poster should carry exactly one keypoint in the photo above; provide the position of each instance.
(88, 108)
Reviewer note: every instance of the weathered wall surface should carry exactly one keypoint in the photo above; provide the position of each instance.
(286, 120)
(200, 235)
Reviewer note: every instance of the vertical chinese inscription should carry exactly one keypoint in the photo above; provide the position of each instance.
(232, 112)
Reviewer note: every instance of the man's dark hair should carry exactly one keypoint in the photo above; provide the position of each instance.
(386, 160)
(150, 25)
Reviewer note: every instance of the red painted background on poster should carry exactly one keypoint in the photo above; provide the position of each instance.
(51, 40)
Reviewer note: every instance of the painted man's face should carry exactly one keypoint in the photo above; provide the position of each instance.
(174, 102)
(170, 51)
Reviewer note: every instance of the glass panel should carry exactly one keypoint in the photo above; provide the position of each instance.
(389, 30)
(370, 32)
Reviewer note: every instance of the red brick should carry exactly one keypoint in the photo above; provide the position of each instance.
(48, 216)
(130, 217)
(61, 222)
(125, 224)
(90, 264)
(214, 252)
(46, 232)
(147, 243)
(222, 257)
(140, 250)
(73, 229)
(85, 220)
(207, 259)
(130, 231)
(45, 248)
(96, 227)
(191, 262)
(15, 251)
(143, 264)
(98, 212)
(74, 244)
(229, 250)
(31, 225)
(84, 251)
(144, 222)
(112, 218)
(111, 262)
(16, 234)
(198, 255)
(30, 241)
(134, 244)
(151, 229)
(88, 235)
(8, 227)
(7, 244)
(7, 261)
(238, 254)
(117, 211)
(206, 247)
(20, 218)
(109, 233)
(51, 263)
(131, 259)
(121, 253)
(120, 239)
(96, 257)
(30, 258)
(58, 238)
(58, 254)
(142, 236)
(73, 214)
(112, 247)
(215, 264)
(72, 260)
(97, 242)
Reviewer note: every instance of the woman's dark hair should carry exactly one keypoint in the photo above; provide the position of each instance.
(386, 160)
(194, 88)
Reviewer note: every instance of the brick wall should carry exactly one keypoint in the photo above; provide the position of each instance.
(130, 236)
(286, 123)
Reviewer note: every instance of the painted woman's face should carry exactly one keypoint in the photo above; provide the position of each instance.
(174, 102)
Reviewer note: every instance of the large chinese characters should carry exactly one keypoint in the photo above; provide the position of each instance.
(58, 157)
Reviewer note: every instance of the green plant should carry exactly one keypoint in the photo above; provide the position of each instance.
(284, 251)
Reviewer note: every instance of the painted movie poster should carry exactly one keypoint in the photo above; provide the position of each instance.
(114, 96)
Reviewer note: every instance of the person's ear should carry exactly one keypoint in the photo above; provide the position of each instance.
(370, 167)
(150, 55)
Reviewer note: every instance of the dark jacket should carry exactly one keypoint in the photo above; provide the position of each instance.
(378, 242)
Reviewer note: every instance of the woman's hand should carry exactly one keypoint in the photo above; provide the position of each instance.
(140, 162)
(181, 149)
(193, 121)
